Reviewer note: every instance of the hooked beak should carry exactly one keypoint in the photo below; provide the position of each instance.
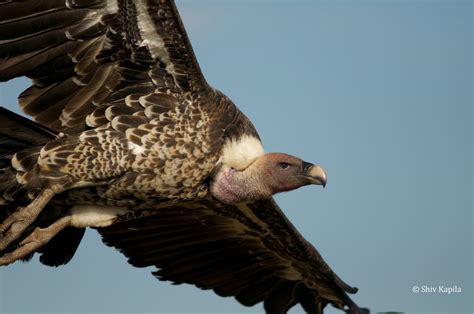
(315, 174)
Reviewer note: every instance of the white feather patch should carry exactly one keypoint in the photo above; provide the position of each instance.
(90, 121)
(240, 153)
(151, 39)
(94, 216)
(16, 164)
(112, 6)
(136, 149)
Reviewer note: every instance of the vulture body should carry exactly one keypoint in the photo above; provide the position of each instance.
(130, 139)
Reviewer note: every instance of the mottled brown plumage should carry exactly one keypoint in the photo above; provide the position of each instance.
(130, 139)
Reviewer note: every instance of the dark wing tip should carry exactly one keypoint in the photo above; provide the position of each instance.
(358, 310)
(344, 286)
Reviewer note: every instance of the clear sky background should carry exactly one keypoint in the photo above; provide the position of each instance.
(380, 94)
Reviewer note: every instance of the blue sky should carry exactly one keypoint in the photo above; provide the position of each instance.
(377, 92)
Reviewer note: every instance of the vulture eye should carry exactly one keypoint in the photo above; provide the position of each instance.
(284, 165)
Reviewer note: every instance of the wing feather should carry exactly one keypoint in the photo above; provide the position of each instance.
(86, 54)
(249, 251)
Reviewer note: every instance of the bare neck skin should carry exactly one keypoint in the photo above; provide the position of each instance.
(232, 186)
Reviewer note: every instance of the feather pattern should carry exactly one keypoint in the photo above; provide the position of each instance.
(130, 135)
(249, 251)
(95, 45)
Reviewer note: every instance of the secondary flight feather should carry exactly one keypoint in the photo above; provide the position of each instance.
(130, 139)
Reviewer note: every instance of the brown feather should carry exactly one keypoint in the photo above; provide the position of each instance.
(144, 131)
(207, 246)
(80, 39)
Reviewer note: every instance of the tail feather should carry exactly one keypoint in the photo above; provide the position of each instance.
(61, 249)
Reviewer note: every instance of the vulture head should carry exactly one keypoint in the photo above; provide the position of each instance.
(268, 174)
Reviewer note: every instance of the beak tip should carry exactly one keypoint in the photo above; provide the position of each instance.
(318, 174)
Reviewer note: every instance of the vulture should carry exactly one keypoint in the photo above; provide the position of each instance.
(128, 138)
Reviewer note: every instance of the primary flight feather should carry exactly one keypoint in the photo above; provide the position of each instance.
(130, 139)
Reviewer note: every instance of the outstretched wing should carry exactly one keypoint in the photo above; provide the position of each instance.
(251, 252)
(85, 54)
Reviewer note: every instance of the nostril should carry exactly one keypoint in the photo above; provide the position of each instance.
(307, 166)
